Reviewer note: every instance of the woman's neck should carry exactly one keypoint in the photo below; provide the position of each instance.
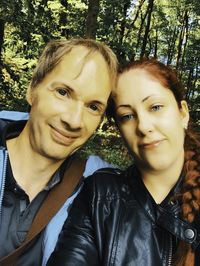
(159, 183)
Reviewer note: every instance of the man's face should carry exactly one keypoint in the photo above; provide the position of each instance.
(68, 105)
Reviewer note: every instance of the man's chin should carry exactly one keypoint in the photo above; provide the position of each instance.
(75, 150)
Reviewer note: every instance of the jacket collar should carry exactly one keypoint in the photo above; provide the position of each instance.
(166, 214)
(141, 193)
(10, 130)
(144, 197)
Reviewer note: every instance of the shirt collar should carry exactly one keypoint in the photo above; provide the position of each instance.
(58, 175)
(13, 129)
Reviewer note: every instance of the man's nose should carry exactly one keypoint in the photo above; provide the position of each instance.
(73, 117)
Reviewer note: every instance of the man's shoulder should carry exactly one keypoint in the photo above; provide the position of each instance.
(13, 115)
(3, 124)
(95, 163)
(11, 124)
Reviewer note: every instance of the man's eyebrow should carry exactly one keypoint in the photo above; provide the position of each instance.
(103, 104)
(60, 84)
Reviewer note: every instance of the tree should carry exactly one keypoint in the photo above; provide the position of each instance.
(147, 28)
(2, 26)
(183, 37)
(91, 20)
(167, 30)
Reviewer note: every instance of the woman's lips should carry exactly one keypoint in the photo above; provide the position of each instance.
(151, 145)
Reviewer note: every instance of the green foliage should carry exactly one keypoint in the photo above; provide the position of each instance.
(29, 25)
(174, 38)
(110, 147)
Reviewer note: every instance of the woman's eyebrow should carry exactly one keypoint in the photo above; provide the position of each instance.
(149, 96)
(123, 105)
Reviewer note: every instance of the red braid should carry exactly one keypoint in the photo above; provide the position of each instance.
(190, 195)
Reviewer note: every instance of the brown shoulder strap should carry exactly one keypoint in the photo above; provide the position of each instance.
(54, 201)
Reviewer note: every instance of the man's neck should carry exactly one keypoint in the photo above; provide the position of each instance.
(31, 170)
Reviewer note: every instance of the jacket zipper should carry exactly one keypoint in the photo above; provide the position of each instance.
(170, 252)
(3, 181)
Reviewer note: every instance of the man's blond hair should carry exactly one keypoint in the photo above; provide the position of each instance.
(55, 50)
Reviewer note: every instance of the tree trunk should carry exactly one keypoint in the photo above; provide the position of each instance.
(63, 19)
(189, 82)
(171, 46)
(147, 29)
(123, 23)
(91, 20)
(195, 77)
(156, 45)
(135, 18)
(140, 31)
(181, 38)
(185, 43)
(2, 27)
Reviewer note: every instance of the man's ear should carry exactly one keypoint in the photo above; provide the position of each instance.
(29, 95)
(184, 110)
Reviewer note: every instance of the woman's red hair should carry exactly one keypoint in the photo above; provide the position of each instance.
(189, 196)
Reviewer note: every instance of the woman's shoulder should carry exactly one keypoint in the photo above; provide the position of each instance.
(108, 182)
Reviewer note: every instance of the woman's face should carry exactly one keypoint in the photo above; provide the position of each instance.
(150, 120)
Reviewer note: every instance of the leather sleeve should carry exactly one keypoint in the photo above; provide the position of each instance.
(76, 244)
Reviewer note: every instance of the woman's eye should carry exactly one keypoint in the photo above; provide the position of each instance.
(62, 92)
(156, 107)
(124, 118)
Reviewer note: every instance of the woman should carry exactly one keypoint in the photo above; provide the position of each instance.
(149, 214)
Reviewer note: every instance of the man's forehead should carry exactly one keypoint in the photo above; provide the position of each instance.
(80, 64)
(78, 54)
(77, 59)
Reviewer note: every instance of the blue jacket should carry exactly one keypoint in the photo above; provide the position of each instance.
(55, 225)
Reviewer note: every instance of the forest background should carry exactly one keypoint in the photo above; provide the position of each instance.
(165, 29)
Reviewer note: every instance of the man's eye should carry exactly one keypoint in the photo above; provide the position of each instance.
(62, 92)
(93, 107)
(156, 107)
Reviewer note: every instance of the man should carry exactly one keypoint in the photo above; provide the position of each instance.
(68, 95)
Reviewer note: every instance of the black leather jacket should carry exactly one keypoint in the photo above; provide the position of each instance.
(115, 221)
